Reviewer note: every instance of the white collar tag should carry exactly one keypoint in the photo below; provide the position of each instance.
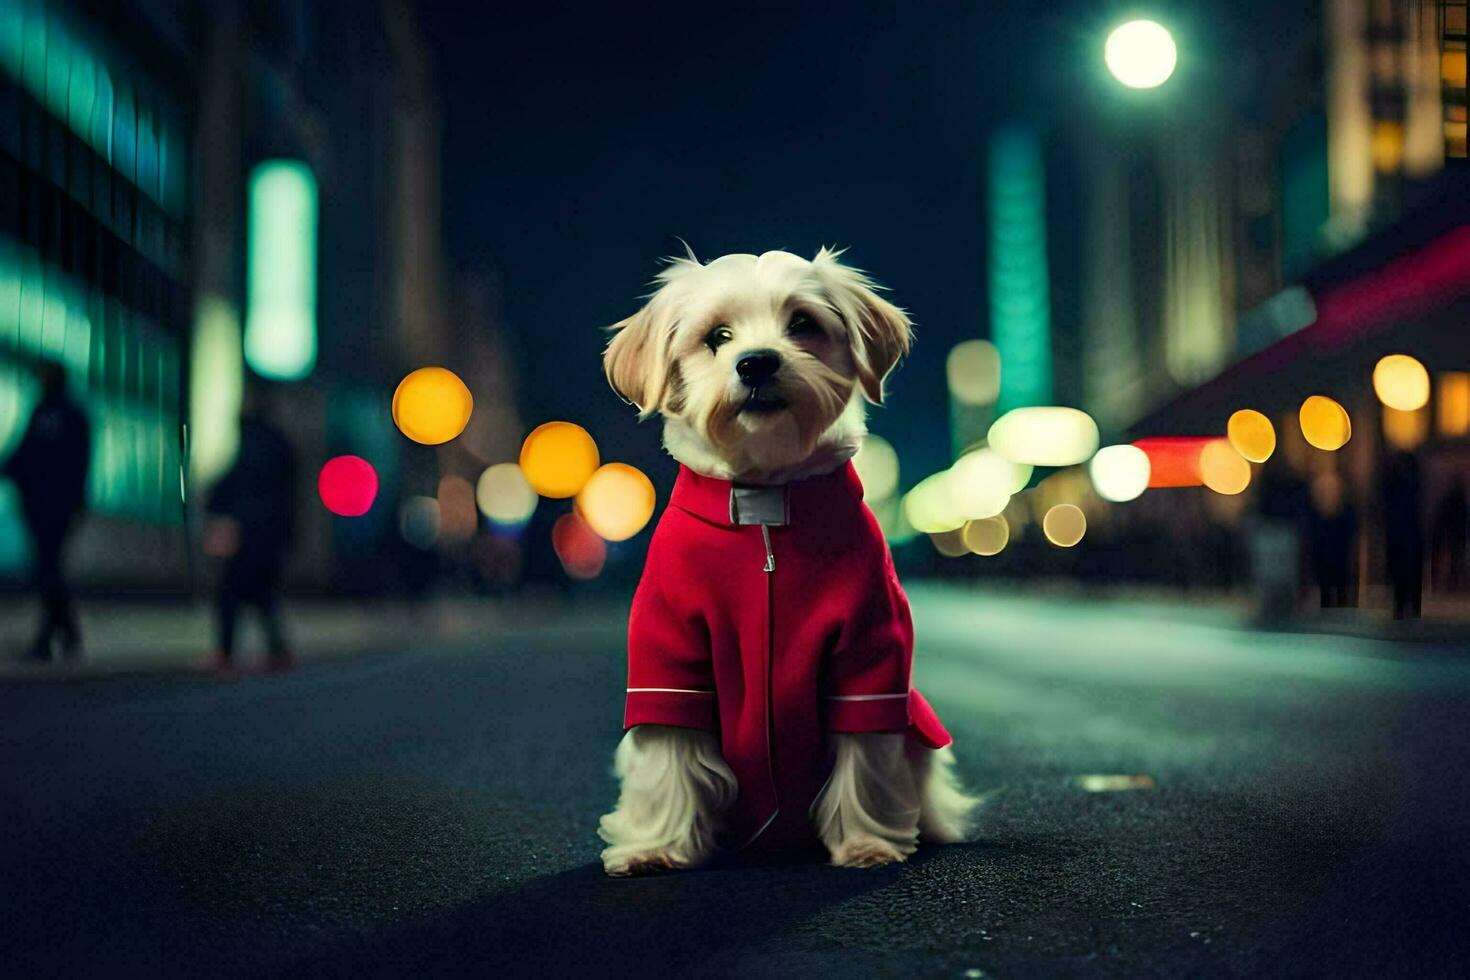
(765, 506)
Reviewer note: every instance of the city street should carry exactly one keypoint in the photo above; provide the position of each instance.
(432, 811)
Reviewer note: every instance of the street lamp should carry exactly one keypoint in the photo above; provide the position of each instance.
(1141, 54)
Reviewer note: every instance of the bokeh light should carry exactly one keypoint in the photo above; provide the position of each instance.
(1119, 473)
(281, 269)
(1325, 423)
(1405, 430)
(558, 458)
(1222, 469)
(1017, 274)
(950, 544)
(994, 470)
(973, 371)
(581, 552)
(1141, 54)
(1064, 525)
(1252, 435)
(1173, 461)
(617, 501)
(1044, 435)
(431, 405)
(988, 536)
(980, 484)
(1401, 382)
(1067, 486)
(929, 507)
(1327, 493)
(505, 496)
(1452, 407)
(877, 468)
(348, 485)
(893, 521)
(458, 520)
(418, 522)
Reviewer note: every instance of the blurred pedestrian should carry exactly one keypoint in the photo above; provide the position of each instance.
(1334, 524)
(49, 469)
(1403, 525)
(252, 523)
(1449, 537)
(1275, 536)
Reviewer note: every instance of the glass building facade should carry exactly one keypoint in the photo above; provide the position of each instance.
(93, 201)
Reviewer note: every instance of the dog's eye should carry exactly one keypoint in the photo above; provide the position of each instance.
(802, 325)
(719, 335)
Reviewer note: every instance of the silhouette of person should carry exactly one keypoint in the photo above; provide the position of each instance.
(1334, 524)
(253, 521)
(1282, 501)
(1402, 523)
(49, 469)
(1451, 525)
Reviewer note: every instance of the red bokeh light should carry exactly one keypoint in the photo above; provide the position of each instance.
(348, 485)
(581, 551)
(1174, 460)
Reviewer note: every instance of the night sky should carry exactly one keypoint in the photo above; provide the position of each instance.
(578, 145)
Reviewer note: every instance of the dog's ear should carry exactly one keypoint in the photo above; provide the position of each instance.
(636, 362)
(880, 332)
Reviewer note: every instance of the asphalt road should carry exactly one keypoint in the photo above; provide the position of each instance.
(432, 812)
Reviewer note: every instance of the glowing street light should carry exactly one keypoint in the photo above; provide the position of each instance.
(1141, 54)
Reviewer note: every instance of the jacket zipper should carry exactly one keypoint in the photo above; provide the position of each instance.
(770, 555)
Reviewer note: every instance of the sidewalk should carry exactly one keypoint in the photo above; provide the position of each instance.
(170, 635)
(1445, 623)
(149, 635)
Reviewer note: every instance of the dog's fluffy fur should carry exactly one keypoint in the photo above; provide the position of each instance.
(837, 340)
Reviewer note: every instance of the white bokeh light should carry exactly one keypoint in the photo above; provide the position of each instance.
(1141, 54)
(877, 468)
(1119, 473)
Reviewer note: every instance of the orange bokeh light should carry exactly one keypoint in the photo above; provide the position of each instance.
(432, 406)
(1222, 469)
(1325, 424)
(617, 501)
(558, 458)
(1252, 435)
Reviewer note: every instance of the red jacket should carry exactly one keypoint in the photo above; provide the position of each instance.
(771, 629)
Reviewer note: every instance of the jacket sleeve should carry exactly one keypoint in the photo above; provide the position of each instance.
(867, 678)
(670, 669)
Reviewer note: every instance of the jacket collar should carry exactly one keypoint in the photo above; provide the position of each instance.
(711, 499)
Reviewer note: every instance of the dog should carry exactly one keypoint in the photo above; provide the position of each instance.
(769, 707)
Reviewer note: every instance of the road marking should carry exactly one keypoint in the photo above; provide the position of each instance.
(1099, 783)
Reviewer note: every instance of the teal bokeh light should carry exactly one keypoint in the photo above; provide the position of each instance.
(1020, 309)
(280, 323)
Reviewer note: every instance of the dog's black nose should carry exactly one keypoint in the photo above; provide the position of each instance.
(757, 367)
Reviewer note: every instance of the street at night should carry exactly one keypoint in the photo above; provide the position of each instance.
(781, 489)
(1294, 803)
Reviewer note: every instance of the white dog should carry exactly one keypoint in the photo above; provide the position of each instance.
(769, 704)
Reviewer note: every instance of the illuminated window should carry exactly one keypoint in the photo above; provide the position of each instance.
(1405, 430)
(123, 369)
(1388, 146)
(1452, 75)
(280, 323)
(58, 69)
(1452, 406)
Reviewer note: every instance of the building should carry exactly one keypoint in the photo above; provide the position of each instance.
(197, 197)
(95, 198)
(1346, 238)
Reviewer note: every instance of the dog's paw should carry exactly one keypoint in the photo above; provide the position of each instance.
(866, 852)
(622, 864)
